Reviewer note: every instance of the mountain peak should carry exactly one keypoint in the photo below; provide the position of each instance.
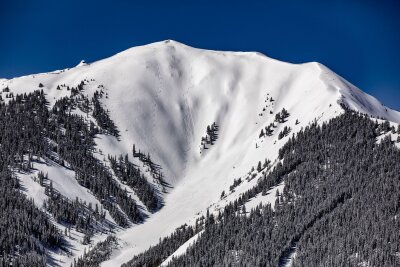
(200, 114)
(181, 66)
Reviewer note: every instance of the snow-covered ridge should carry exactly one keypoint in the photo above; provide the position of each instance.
(162, 97)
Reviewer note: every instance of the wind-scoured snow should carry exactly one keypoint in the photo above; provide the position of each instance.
(163, 96)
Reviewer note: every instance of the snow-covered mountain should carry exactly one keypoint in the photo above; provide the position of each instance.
(163, 96)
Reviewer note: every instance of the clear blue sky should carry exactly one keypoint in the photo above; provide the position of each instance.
(359, 40)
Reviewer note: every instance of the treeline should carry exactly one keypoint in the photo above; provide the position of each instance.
(74, 142)
(154, 256)
(338, 207)
(234, 239)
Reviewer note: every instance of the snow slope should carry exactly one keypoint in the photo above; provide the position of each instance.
(162, 96)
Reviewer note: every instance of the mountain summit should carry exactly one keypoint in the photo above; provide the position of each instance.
(205, 118)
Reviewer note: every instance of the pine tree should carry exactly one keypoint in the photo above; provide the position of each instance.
(259, 167)
(261, 133)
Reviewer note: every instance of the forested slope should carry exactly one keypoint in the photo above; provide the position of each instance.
(339, 206)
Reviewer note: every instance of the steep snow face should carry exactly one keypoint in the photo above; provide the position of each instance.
(163, 96)
(356, 99)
